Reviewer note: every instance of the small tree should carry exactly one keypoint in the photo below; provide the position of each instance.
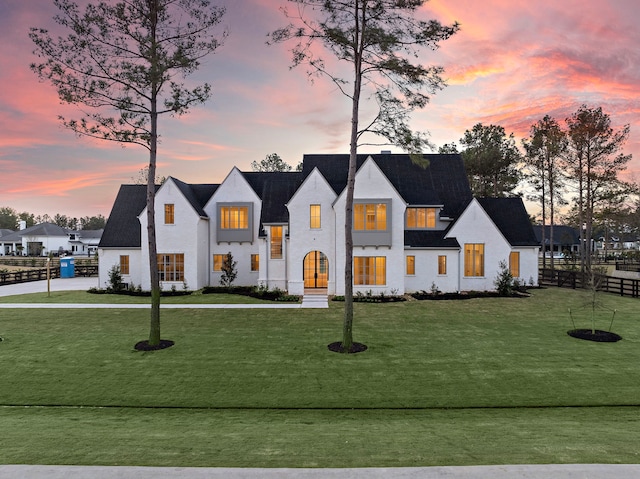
(115, 279)
(504, 281)
(229, 271)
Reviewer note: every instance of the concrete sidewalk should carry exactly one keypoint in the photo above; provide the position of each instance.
(57, 284)
(552, 471)
(83, 284)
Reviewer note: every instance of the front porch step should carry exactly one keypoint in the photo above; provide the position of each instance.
(315, 301)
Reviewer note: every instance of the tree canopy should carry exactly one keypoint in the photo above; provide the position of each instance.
(271, 162)
(491, 158)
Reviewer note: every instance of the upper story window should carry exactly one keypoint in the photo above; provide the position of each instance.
(235, 222)
(421, 218)
(314, 216)
(234, 217)
(370, 216)
(169, 214)
(372, 222)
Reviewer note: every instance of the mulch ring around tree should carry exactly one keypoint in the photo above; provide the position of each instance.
(145, 346)
(355, 348)
(595, 335)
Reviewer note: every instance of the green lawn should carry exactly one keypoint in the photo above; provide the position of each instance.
(482, 381)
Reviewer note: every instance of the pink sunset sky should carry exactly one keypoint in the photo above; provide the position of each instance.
(512, 62)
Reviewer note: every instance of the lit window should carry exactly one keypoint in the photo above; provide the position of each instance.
(421, 217)
(442, 265)
(234, 217)
(171, 267)
(314, 216)
(370, 270)
(474, 259)
(276, 242)
(411, 265)
(169, 217)
(514, 264)
(124, 264)
(255, 262)
(218, 260)
(370, 217)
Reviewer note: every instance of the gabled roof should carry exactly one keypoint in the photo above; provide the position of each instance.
(443, 182)
(5, 232)
(511, 218)
(196, 195)
(123, 228)
(274, 189)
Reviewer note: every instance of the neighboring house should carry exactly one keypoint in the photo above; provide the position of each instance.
(84, 242)
(46, 238)
(565, 239)
(6, 248)
(414, 228)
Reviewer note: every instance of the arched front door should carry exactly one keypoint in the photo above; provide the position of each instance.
(315, 270)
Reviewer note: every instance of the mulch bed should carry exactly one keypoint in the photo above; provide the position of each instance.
(597, 335)
(144, 345)
(355, 348)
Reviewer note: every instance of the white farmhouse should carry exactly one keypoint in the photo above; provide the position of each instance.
(414, 229)
(47, 238)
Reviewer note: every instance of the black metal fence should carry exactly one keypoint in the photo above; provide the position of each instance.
(575, 279)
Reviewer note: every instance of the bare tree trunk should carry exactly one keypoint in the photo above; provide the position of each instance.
(543, 235)
(347, 329)
(551, 176)
(154, 329)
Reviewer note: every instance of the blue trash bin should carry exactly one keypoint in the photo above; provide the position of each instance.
(67, 267)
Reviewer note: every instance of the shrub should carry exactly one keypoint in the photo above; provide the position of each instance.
(115, 280)
(504, 281)
(229, 271)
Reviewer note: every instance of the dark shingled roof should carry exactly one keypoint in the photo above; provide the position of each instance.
(562, 235)
(429, 239)
(123, 228)
(275, 189)
(443, 182)
(42, 229)
(511, 218)
(197, 195)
